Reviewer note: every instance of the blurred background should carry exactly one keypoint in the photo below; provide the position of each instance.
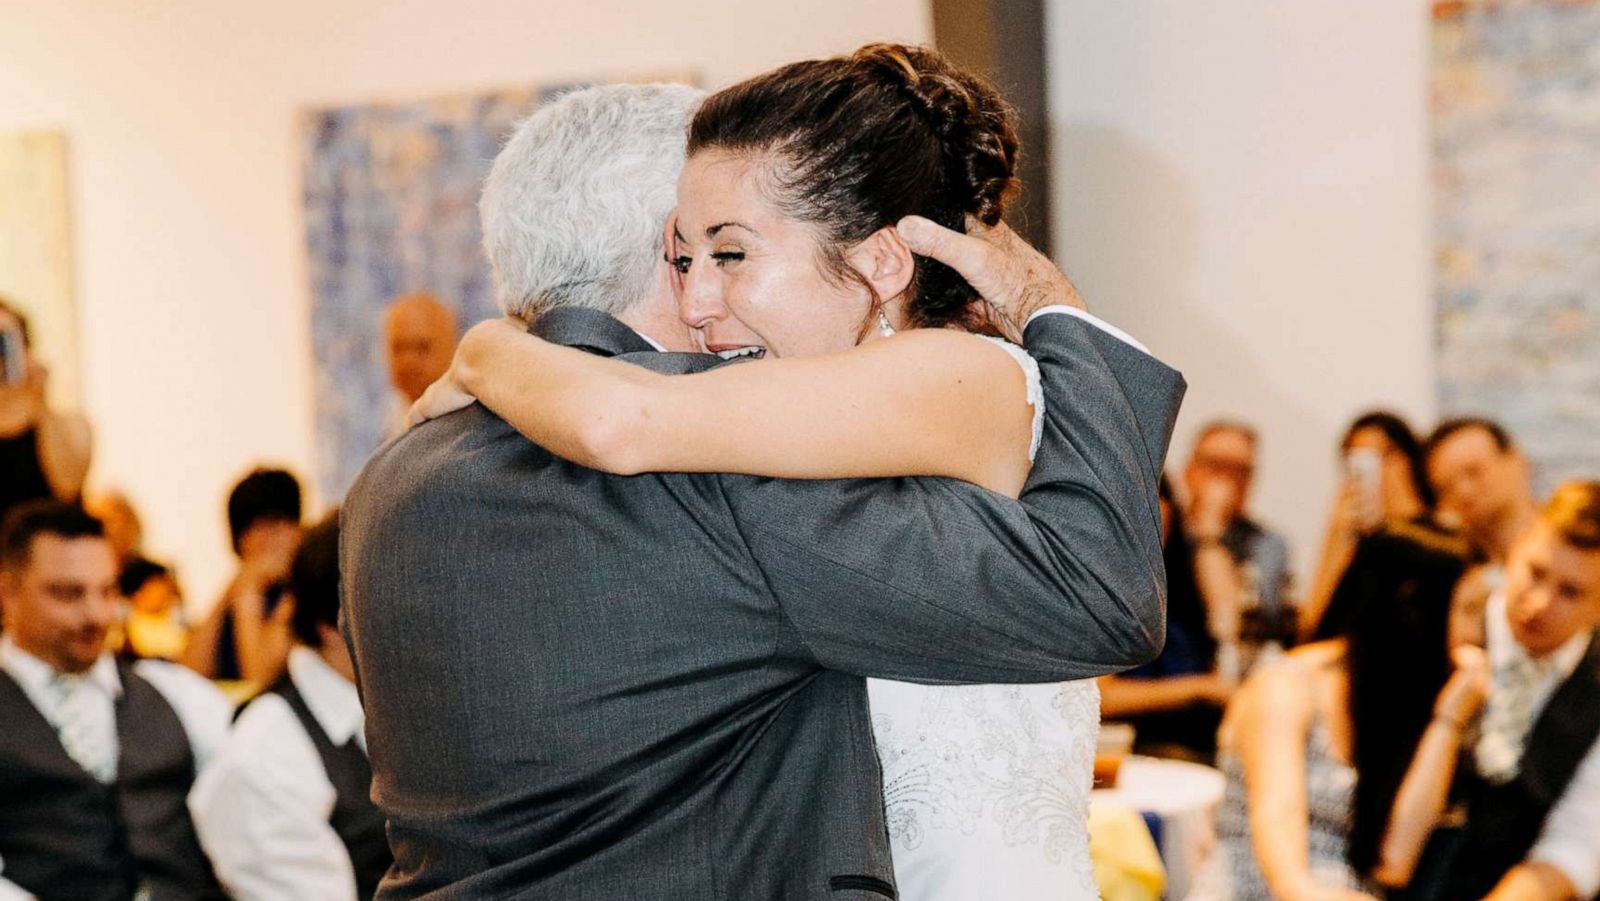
(1251, 188)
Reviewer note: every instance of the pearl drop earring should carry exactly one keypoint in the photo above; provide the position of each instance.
(884, 328)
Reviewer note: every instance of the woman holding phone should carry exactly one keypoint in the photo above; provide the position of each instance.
(43, 453)
(1384, 495)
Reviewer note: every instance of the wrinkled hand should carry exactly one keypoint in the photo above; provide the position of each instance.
(1016, 279)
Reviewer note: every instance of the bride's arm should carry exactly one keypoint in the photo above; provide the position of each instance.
(925, 402)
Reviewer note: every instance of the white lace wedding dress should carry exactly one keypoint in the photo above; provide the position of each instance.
(987, 786)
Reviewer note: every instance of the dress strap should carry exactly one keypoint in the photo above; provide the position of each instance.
(1030, 371)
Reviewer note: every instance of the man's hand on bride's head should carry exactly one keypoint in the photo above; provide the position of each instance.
(1009, 273)
(454, 390)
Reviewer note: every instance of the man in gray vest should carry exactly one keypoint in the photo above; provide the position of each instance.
(96, 756)
(1515, 738)
(583, 686)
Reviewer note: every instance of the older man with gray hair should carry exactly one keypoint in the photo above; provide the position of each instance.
(585, 686)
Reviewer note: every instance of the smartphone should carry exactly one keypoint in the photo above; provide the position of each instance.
(13, 357)
(1364, 467)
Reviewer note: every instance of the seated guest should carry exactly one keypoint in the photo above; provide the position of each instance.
(97, 756)
(44, 453)
(419, 335)
(1315, 745)
(1385, 505)
(1175, 702)
(247, 634)
(1484, 489)
(1528, 778)
(153, 626)
(1219, 476)
(1482, 482)
(284, 811)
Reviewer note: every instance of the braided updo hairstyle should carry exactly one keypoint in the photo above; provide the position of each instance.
(885, 132)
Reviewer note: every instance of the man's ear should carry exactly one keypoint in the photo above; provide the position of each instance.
(884, 260)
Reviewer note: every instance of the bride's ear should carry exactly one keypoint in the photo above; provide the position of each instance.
(884, 260)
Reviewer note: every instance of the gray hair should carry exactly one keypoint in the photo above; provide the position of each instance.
(573, 209)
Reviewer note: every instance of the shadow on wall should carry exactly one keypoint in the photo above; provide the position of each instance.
(1127, 233)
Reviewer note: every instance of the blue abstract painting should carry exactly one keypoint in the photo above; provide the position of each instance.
(1516, 116)
(391, 207)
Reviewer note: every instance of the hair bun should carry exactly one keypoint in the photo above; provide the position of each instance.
(975, 127)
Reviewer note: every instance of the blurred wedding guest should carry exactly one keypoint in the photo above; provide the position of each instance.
(1483, 483)
(1315, 744)
(1513, 737)
(44, 453)
(419, 333)
(1218, 478)
(284, 811)
(97, 756)
(1175, 702)
(124, 528)
(1384, 507)
(153, 627)
(1485, 490)
(246, 635)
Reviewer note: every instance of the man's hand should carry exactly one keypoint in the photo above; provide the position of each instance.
(1463, 696)
(266, 553)
(1208, 517)
(1004, 269)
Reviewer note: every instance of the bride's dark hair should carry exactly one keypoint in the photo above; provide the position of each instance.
(885, 132)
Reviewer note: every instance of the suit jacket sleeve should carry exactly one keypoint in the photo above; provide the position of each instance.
(934, 580)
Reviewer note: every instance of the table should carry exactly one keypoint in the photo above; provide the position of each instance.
(1178, 800)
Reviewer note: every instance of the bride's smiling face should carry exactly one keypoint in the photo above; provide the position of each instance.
(753, 279)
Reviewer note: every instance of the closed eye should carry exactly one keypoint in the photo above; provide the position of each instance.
(724, 257)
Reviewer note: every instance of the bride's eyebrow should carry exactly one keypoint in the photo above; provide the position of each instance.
(712, 231)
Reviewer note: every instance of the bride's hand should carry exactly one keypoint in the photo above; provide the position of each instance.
(454, 390)
(1009, 273)
(443, 396)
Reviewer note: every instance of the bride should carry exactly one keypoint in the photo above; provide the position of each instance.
(872, 362)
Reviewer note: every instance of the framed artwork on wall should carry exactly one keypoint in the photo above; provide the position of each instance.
(390, 196)
(36, 252)
(1516, 164)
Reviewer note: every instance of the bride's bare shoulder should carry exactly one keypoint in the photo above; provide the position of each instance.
(952, 356)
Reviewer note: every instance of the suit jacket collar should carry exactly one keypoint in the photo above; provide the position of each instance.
(589, 330)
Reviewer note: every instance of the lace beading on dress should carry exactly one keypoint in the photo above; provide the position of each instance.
(1030, 371)
(987, 786)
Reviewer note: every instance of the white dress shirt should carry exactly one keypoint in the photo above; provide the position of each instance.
(261, 809)
(1090, 318)
(203, 711)
(1570, 837)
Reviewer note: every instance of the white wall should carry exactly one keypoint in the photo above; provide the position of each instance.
(194, 308)
(1243, 184)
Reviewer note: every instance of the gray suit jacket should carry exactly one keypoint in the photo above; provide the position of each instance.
(584, 686)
